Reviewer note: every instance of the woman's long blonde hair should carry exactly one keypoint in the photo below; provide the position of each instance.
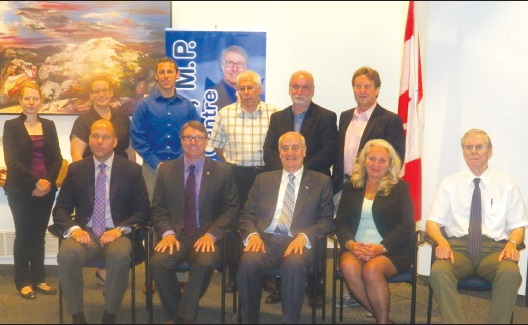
(387, 182)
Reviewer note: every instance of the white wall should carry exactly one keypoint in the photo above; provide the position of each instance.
(473, 56)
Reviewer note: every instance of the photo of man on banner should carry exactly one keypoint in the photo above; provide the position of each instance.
(209, 62)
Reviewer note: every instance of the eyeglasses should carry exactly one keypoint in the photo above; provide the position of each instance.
(101, 92)
(230, 64)
(294, 148)
(188, 138)
(244, 88)
(303, 87)
(477, 147)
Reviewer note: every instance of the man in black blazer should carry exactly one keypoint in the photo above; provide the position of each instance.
(125, 204)
(196, 240)
(367, 121)
(288, 244)
(318, 125)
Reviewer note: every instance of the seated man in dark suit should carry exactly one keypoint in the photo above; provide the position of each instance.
(195, 200)
(285, 212)
(109, 196)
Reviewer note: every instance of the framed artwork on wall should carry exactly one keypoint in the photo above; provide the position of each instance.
(62, 45)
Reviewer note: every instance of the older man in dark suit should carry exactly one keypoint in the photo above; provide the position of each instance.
(195, 201)
(109, 196)
(285, 212)
(318, 125)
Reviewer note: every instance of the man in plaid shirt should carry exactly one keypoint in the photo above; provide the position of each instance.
(239, 133)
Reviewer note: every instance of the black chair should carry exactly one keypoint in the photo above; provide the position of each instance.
(138, 233)
(473, 283)
(405, 277)
(320, 264)
(186, 267)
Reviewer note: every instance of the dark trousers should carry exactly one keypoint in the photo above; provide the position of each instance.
(31, 215)
(294, 270)
(181, 305)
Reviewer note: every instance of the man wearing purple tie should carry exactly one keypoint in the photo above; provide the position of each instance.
(195, 201)
(109, 187)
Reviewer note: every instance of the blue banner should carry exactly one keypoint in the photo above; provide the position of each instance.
(209, 62)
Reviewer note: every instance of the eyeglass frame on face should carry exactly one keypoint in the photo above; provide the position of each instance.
(231, 64)
(189, 138)
(478, 147)
(104, 92)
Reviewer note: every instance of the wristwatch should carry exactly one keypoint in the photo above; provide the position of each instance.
(124, 230)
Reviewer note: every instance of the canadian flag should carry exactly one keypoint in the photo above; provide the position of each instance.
(410, 109)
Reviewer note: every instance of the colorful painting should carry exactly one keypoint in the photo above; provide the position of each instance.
(62, 45)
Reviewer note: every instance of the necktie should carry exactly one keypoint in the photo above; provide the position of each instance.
(99, 223)
(189, 222)
(287, 208)
(475, 221)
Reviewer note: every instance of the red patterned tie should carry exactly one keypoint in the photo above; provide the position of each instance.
(98, 224)
(475, 221)
(189, 222)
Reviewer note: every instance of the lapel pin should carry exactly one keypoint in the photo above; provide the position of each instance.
(207, 173)
(306, 187)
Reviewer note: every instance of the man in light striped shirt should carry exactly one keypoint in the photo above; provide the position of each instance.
(239, 133)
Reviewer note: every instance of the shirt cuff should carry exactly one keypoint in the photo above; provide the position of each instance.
(168, 232)
(246, 241)
(68, 232)
(210, 235)
(308, 244)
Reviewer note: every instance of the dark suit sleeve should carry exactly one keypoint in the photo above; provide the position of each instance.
(53, 153)
(346, 220)
(326, 131)
(138, 209)
(396, 135)
(324, 223)
(160, 205)
(248, 216)
(230, 208)
(402, 228)
(271, 143)
(65, 202)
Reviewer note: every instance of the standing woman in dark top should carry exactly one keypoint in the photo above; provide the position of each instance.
(33, 159)
(101, 93)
